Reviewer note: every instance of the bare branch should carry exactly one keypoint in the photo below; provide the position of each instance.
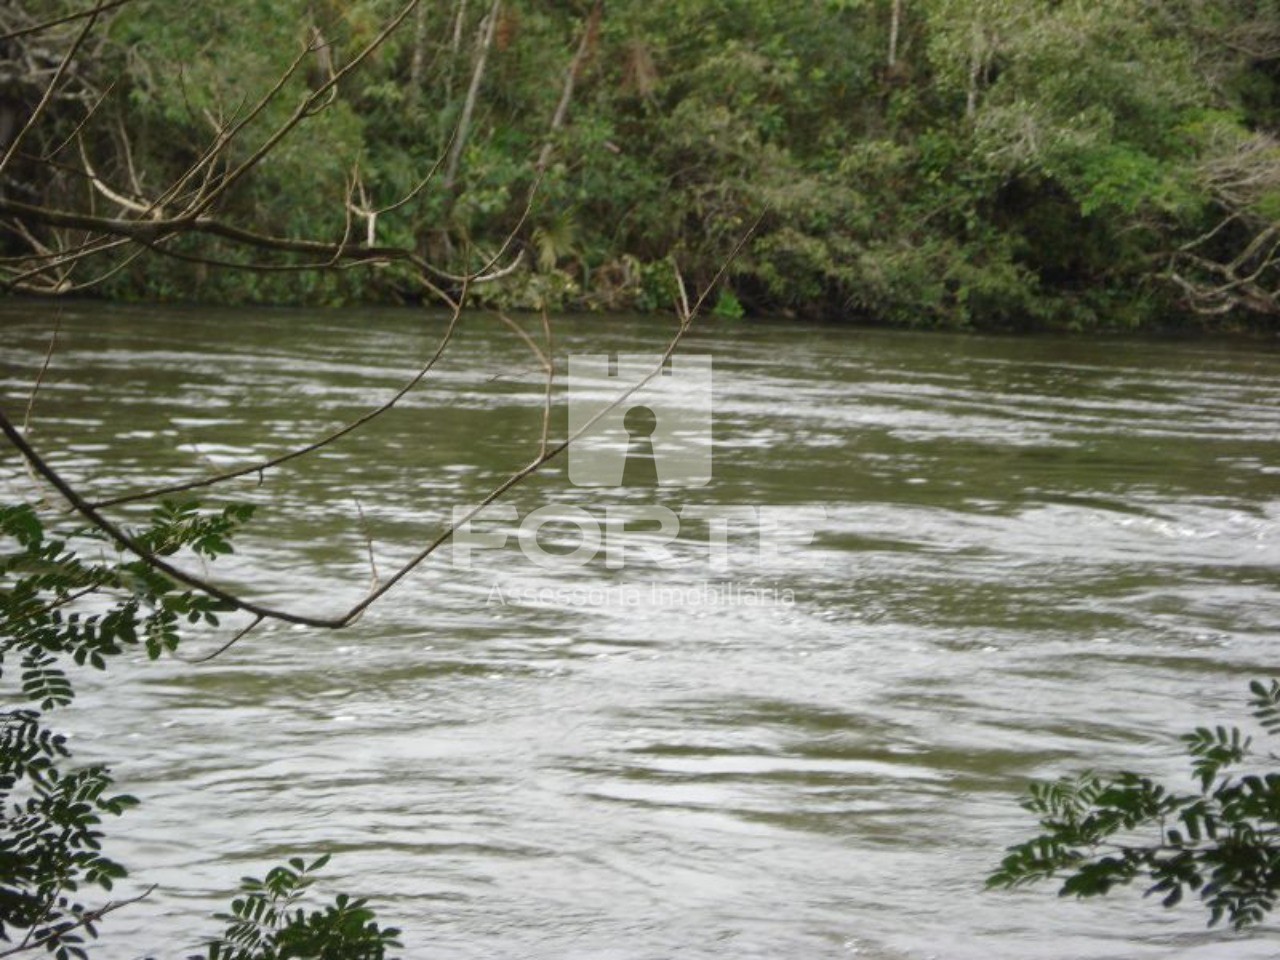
(308, 107)
(368, 543)
(549, 353)
(92, 17)
(590, 29)
(103, 189)
(124, 540)
(333, 437)
(228, 645)
(58, 21)
(44, 368)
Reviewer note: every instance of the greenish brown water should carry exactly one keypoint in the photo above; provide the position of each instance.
(1038, 555)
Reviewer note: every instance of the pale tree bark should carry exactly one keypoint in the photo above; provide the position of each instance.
(484, 42)
(459, 19)
(590, 28)
(455, 46)
(895, 26)
(1235, 266)
(977, 63)
(417, 65)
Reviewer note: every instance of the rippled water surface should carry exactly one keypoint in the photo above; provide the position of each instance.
(1037, 555)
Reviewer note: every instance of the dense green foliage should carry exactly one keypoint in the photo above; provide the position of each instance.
(59, 608)
(1221, 842)
(266, 923)
(1008, 163)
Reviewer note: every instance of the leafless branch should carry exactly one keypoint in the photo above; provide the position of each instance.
(318, 99)
(590, 30)
(1236, 263)
(122, 538)
(543, 360)
(549, 353)
(58, 21)
(44, 368)
(51, 86)
(329, 438)
(240, 635)
(368, 543)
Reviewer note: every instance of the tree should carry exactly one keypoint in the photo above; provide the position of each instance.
(986, 163)
(58, 609)
(1221, 843)
(80, 206)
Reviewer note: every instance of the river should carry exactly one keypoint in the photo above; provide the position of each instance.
(1029, 556)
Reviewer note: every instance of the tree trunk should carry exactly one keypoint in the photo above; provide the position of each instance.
(590, 28)
(484, 40)
(976, 65)
(417, 65)
(455, 47)
(895, 24)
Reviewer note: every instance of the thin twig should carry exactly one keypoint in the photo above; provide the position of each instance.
(48, 157)
(228, 645)
(368, 542)
(551, 378)
(125, 540)
(32, 120)
(529, 342)
(93, 916)
(309, 107)
(303, 451)
(44, 368)
(58, 21)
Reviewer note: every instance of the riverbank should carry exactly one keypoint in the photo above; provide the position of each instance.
(925, 165)
(1187, 329)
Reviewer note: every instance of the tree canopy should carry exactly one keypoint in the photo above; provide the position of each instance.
(922, 162)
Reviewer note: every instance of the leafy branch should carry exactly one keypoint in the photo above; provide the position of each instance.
(1221, 844)
(266, 922)
(58, 608)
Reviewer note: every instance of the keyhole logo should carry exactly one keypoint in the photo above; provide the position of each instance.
(662, 428)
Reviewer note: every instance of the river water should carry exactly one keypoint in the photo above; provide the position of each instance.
(1029, 557)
